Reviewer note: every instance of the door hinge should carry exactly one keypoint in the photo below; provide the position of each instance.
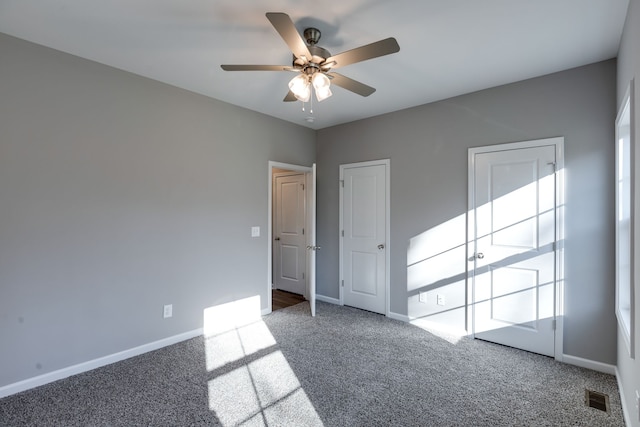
(302, 187)
(343, 283)
(303, 231)
(342, 233)
(302, 276)
(342, 183)
(553, 324)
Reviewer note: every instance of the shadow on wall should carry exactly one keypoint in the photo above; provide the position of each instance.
(515, 276)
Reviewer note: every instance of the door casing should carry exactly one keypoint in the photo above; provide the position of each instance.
(308, 171)
(558, 143)
(387, 258)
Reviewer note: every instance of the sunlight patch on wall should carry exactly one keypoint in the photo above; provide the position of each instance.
(436, 267)
(514, 282)
(437, 240)
(233, 331)
(225, 317)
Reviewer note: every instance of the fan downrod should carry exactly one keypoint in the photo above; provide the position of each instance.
(312, 36)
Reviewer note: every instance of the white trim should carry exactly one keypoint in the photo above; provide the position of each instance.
(275, 165)
(330, 300)
(627, 331)
(95, 363)
(589, 364)
(400, 317)
(435, 326)
(626, 412)
(558, 143)
(387, 164)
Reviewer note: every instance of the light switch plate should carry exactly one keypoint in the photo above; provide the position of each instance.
(255, 231)
(168, 311)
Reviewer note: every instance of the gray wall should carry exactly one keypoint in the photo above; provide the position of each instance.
(118, 195)
(428, 147)
(628, 67)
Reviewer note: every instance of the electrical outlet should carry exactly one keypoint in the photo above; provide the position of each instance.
(423, 297)
(168, 311)
(440, 299)
(255, 231)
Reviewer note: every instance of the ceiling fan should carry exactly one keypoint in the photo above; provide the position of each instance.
(315, 64)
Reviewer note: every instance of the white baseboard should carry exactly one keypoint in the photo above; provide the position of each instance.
(330, 300)
(589, 364)
(438, 327)
(265, 311)
(626, 412)
(93, 364)
(396, 316)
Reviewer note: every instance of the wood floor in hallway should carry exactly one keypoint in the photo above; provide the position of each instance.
(281, 299)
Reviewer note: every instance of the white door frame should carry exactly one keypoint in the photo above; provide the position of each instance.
(297, 168)
(387, 280)
(558, 143)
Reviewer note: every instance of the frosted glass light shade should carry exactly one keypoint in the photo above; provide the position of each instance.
(300, 87)
(321, 83)
(323, 93)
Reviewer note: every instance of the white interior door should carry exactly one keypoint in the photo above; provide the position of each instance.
(289, 227)
(364, 236)
(514, 285)
(311, 239)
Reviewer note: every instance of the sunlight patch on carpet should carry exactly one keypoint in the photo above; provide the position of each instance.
(264, 390)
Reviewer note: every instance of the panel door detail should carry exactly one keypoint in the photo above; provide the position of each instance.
(514, 241)
(289, 240)
(363, 243)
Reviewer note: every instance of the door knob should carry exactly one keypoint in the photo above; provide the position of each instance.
(478, 255)
(380, 246)
(277, 238)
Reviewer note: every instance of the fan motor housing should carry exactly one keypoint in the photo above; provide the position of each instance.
(319, 55)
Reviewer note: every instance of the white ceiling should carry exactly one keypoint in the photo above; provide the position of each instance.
(447, 47)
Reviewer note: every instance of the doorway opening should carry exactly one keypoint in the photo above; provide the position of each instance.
(291, 236)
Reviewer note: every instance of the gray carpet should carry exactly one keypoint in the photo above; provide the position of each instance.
(345, 367)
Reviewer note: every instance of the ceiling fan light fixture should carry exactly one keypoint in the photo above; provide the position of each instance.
(320, 81)
(314, 63)
(321, 85)
(300, 87)
(323, 93)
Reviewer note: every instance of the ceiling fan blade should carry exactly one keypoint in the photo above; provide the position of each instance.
(290, 97)
(350, 84)
(362, 53)
(257, 68)
(287, 30)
